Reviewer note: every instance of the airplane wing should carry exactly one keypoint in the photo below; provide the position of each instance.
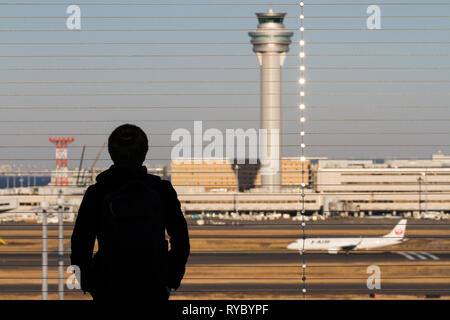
(350, 247)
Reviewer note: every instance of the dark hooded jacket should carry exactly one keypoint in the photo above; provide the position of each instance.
(87, 230)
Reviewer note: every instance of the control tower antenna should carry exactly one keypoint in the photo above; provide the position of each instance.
(270, 43)
(61, 172)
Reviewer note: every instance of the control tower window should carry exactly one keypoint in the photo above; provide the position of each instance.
(283, 37)
(266, 20)
(260, 37)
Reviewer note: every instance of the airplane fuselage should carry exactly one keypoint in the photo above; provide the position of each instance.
(342, 243)
(334, 245)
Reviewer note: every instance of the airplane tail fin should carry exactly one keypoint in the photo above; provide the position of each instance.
(398, 231)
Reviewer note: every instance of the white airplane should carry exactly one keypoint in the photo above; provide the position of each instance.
(334, 245)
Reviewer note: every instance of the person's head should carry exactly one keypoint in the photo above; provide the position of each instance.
(128, 143)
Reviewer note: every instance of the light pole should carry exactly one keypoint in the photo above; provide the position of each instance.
(14, 177)
(34, 175)
(60, 247)
(237, 188)
(20, 176)
(28, 175)
(44, 206)
(425, 188)
(420, 198)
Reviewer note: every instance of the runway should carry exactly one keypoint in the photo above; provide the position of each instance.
(257, 262)
(294, 289)
(330, 224)
(27, 260)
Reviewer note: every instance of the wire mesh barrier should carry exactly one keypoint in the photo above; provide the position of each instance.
(308, 144)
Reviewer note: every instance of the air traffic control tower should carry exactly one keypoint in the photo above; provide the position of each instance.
(270, 43)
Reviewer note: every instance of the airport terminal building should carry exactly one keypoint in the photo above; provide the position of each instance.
(332, 187)
(354, 187)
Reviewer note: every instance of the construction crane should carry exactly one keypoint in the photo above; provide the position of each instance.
(78, 183)
(91, 169)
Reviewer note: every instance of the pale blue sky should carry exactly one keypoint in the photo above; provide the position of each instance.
(334, 95)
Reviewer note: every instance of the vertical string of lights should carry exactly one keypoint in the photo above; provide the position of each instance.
(302, 136)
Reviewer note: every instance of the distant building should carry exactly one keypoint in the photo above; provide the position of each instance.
(86, 177)
(222, 175)
(384, 186)
(388, 176)
(206, 175)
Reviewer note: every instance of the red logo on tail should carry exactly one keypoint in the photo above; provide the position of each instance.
(398, 232)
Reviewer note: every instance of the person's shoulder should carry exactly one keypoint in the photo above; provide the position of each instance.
(162, 184)
(93, 189)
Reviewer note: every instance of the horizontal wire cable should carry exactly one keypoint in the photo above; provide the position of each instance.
(224, 17)
(123, 43)
(360, 106)
(218, 43)
(381, 3)
(155, 81)
(380, 264)
(216, 30)
(217, 120)
(430, 171)
(231, 238)
(71, 108)
(140, 68)
(377, 30)
(426, 93)
(311, 224)
(224, 278)
(217, 145)
(145, 3)
(374, 81)
(212, 68)
(222, 4)
(179, 159)
(315, 184)
(310, 252)
(144, 30)
(244, 195)
(220, 81)
(193, 135)
(268, 290)
(377, 68)
(256, 278)
(131, 55)
(265, 278)
(398, 93)
(109, 159)
(376, 42)
(274, 266)
(365, 17)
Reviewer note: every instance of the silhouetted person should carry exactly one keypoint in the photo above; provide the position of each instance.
(128, 211)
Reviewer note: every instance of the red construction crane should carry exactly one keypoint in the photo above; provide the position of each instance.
(61, 172)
